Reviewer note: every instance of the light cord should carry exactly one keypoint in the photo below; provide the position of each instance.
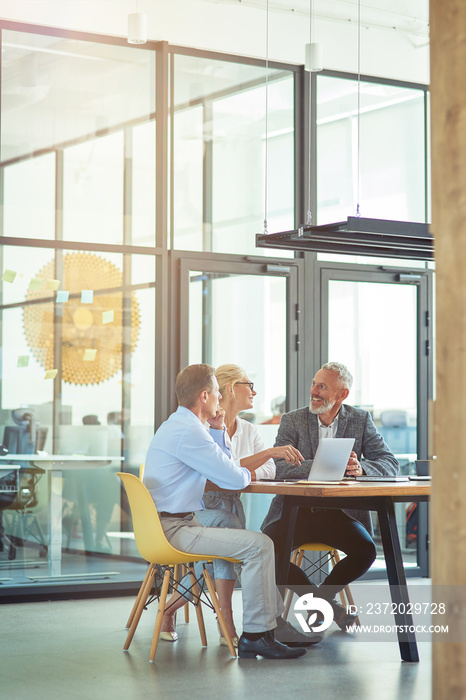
(309, 213)
(266, 156)
(358, 187)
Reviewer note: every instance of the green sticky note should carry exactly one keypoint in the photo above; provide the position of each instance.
(107, 316)
(35, 283)
(23, 361)
(9, 276)
(51, 374)
(89, 355)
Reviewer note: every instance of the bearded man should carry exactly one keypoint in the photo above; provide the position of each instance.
(348, 531)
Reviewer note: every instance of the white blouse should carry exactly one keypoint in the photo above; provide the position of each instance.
(246, 442)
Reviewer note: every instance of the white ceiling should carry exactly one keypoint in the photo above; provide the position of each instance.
(409, 16)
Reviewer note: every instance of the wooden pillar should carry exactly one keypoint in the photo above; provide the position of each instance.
(448, 510)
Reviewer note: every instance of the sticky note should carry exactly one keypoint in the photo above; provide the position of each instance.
(23, 361)
(9, 276)
(89, 355)
(51, 374)
(52, 284)
(62, 297)
(35, 283)
(107, 317)
(87, 296)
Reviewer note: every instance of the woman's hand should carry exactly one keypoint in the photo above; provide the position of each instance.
(289, 453)
(217, 422)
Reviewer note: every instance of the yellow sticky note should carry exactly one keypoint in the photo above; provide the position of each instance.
(89, 355)
(107, 316)
(52, 284)
(23, 361)
(9, 276)
(51, 374)
(35, 283)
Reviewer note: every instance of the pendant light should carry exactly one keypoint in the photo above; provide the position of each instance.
(137, 27)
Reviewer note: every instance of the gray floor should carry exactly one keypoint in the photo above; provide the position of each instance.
(73, 649)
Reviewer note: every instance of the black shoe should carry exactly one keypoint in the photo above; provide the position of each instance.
(342, 617)
(267, 647)
(287, 634)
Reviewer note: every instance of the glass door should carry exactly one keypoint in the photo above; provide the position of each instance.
(240, 313)
(377, 323)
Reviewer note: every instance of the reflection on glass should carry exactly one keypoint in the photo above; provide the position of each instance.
(241, 319)
(93, 173)
(100, 403)
(373, 330)
(391, 153)
(219, 154)
(31, 181)
(83, 102)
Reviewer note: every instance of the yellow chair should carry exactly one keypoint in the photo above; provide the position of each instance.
(150, 573)
(154, 547)
(329, 555)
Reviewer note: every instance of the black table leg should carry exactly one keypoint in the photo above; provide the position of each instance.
(397, 581)
(288, 518)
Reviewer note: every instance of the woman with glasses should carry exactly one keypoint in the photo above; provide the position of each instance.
(224, 508)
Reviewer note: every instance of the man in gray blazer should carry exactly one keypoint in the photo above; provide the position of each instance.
(347, 531)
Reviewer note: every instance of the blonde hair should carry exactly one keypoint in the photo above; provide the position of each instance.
(229, 374)
(191, 381)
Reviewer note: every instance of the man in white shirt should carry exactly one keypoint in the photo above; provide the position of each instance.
(180, 459)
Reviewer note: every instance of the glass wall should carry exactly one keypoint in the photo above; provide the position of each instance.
(77, 318)
(371, 151)
(81, 322)
(223, 148)
(99, 163)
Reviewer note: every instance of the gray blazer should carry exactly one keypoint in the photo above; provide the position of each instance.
(301, 429)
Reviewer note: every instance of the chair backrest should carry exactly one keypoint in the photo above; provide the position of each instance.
(150, 538)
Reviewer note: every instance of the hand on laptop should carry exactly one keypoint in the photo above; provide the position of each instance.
(288, 453)
(353, 468)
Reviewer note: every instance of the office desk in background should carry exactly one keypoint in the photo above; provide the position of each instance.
(379, 497)
(55, 465)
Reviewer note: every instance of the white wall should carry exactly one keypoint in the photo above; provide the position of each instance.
(240, 28)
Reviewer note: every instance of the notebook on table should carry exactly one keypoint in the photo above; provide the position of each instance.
(366, 477)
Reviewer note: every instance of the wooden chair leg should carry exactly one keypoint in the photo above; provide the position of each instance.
(200, 617)
(289, 594)
(138, 597)
(218, 610)
(139, 609)
(160, 611)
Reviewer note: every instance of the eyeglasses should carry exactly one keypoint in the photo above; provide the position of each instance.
(249, 384)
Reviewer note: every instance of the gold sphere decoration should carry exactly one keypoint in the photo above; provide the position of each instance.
(82, 325)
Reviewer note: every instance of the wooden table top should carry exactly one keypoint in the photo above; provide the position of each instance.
(346, 489)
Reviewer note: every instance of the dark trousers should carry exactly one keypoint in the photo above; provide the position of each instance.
(334, 528)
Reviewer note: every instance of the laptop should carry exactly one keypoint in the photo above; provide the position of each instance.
(331, 459)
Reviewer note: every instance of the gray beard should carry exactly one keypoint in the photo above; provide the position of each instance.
(326, 406)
